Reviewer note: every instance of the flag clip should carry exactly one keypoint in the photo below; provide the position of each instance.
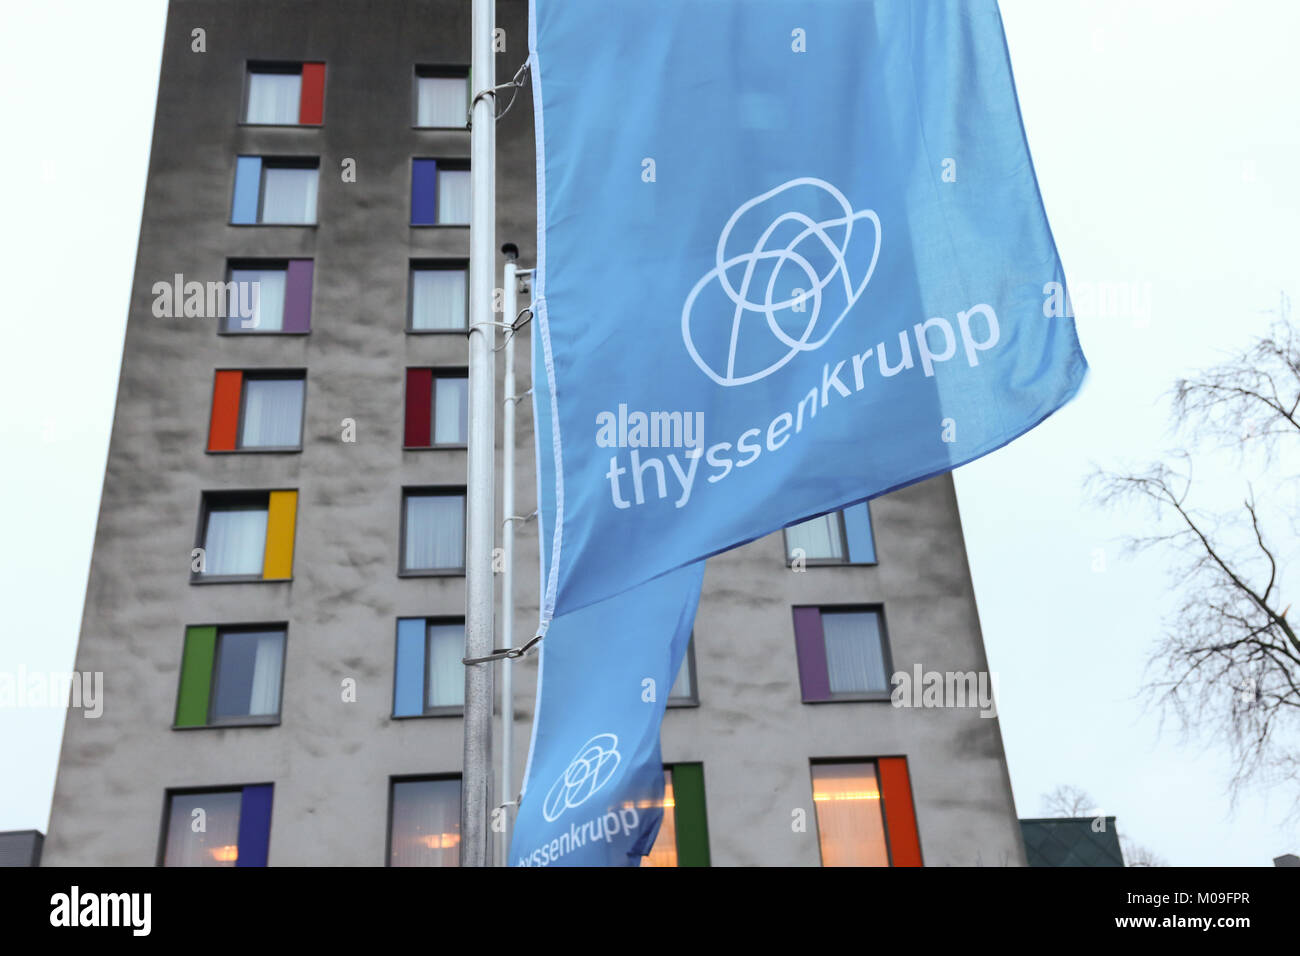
(504, 653)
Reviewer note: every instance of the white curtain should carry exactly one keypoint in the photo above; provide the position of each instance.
(274, 98)
(450, 411)
(217, 843)
(453, 197)
(446, 672)
(435, 532)
(818, 537)
(235, 542)
(289, 195)
(854, 652)
(682, 685)
(426, 823)
(268, 660)
(438, 299)
(266, 298)
(850, 826)
(272, 413)
(442, 101)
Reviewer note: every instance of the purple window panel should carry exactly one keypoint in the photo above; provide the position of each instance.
(297, 296)
(810, 646)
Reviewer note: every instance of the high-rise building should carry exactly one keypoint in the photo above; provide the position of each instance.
(276, 597)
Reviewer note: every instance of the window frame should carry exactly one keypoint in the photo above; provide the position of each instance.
(248, 720)
(450, 71)
(169, 792)
(886, 654)
(282, 162)
(444, 710)
(433, 491)
(240, 500)
(901, 835)
(265, 265)
(395, 779)
(434, 265)
(688, 660)
(441, 164)
(296, 375)
(847, 562)
(447, 372)
(283, 67)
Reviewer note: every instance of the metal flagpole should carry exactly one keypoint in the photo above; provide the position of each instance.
(480, 492)
(509, 311)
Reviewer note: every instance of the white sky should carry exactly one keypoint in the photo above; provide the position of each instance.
(1164, 135)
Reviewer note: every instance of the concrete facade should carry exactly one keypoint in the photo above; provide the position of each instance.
(331, 761)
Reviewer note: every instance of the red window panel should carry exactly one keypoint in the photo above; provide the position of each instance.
(311, 104)
(223, 431)
(900, 814)
(419, 408)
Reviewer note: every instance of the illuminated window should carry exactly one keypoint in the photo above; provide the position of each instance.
(850, 826)
(684, 834)
(424, 822)
(235, 831)
(864, 813)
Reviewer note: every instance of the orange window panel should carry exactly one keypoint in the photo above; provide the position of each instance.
(223, 430)
(900, 814)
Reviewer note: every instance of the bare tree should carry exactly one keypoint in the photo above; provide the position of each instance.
(1075, 803)
(1137, 855)
(1229, 662)
(1068, 801)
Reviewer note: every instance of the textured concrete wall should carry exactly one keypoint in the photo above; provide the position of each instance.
(331, 761)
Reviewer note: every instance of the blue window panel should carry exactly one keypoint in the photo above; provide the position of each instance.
(424, 192)
(254, 825)
(248, 183)
(857, 527)
(408, 686)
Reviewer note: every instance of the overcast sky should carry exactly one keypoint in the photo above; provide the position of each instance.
(1164, 136)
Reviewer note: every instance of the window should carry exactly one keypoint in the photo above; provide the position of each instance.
(230, 675)
(439, 193)
(865, 815)
(841, 537)
(424, 822)
(236, 827)
(257, 411)
(246, 536)
(437, 408)
(433, 531)
(683, 692)
(269, 296)
(429, 677)
(842, 652)
(441, 98)
(439, 297)
(285, 94)
(684, 834)
(275, 191)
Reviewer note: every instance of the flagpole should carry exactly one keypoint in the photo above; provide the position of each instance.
(480, 520)
(509, 314)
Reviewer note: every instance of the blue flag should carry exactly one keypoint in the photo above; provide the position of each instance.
(792, 255)
(593, 791)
